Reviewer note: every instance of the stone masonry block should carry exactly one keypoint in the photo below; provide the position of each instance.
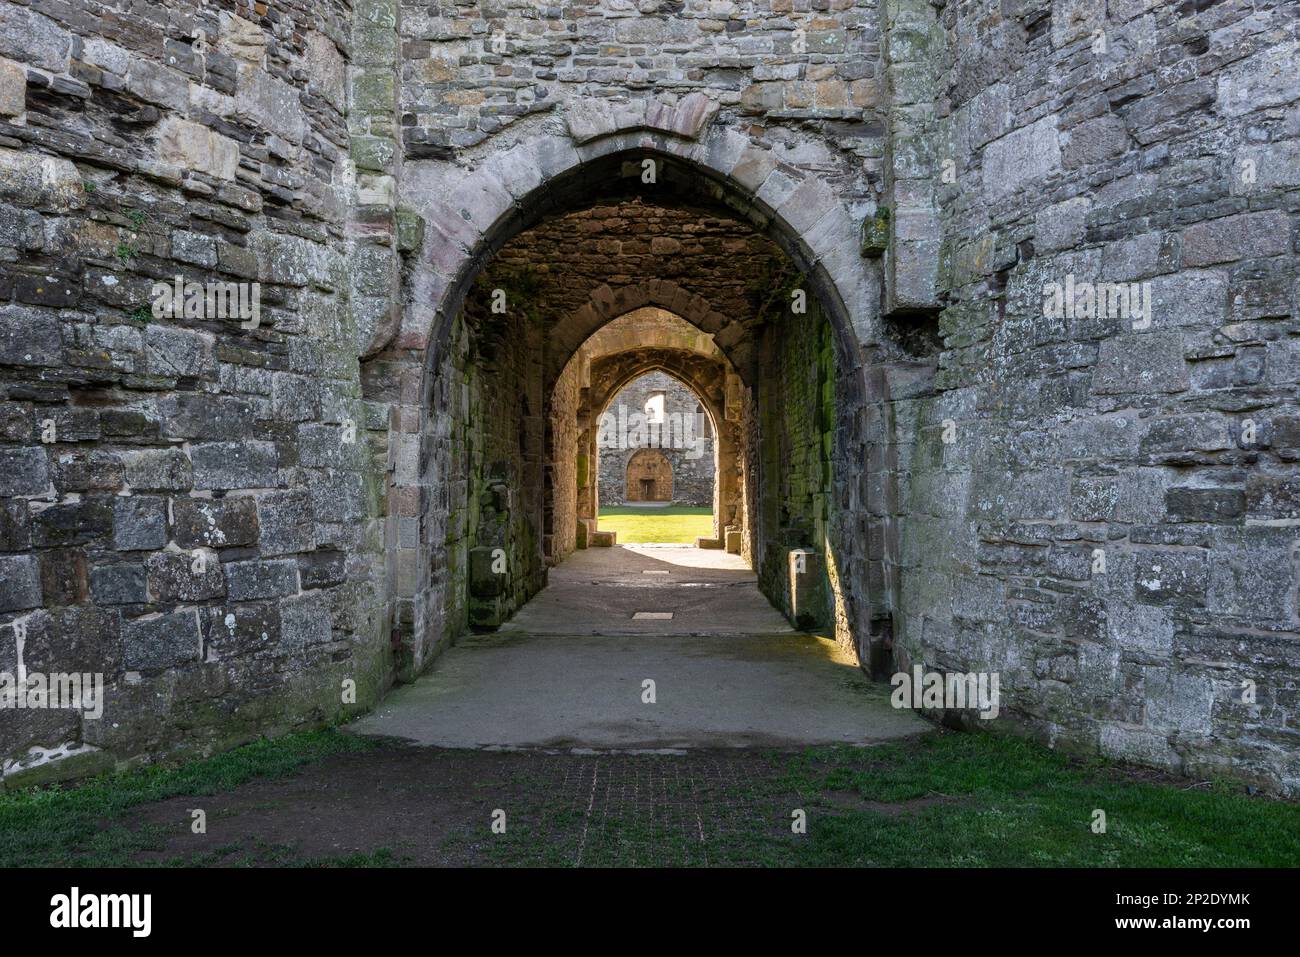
(215, 523)
(20, 585)
(193, 146)
(13, 88)
(157, 641)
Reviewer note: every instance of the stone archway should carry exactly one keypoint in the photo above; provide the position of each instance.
(469, 214)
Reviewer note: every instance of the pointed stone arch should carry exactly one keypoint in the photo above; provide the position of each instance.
(467, 211)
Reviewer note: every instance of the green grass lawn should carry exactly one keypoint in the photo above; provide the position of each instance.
(83, 825)
(945, 800)
(674, 523)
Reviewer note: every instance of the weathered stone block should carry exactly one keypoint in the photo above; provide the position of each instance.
(13, 88)
(198, 415)
(324, 446)
(15, 524)
(1141, 363)
(1253, 574)
(179, 352)
(82, 638)
(78, 425)
(1273, 497)
(1245, 236)
(234, 465)
(336, 496)
(989, 115)
(215, 523)
(29, 337)
(185, 576)
(241, 631)
(305, 621)
(1134, 496)
(322, 569)
(33, 38)
(294, 398)
(1171, 577)
(194, 248)
(1196, 432)
(242, 39)
(157, 641)
(195, 147)
(327, 69)
(1061, 225)
(20, 583)
(1177, 701)
(272, 104)
(73, 523)
(24, 471)
(1260, 81)
(250, 580)
(158, 470)
(118, 585)
(87, 471)
(1205, 504)
(139, 523)
(1095, 141)
(286, 522)
(1024, 156)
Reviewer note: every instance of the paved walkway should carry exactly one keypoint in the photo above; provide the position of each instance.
(597, 591)
(571, 669)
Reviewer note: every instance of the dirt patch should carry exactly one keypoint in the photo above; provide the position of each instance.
(435, 807)
(850, 802)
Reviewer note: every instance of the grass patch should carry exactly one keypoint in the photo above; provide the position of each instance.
(672, 523)
(64, 826)
(946, 800)
(1009, 802)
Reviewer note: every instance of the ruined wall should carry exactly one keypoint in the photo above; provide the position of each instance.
(506, 451)
(987, 454)
(189, 500)
(1132, 142)
(793, 434)
(692, 469)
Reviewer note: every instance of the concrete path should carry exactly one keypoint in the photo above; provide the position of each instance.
(570, 670)
(597, 591)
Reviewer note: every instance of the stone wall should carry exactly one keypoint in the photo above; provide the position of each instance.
(1110, 519)
(506, 454)
(691, 469)
(473, 69)
(232, 519)
(793, 433)
(190, 505)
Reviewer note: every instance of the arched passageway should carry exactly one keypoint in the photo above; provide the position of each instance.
(627, 262)
(670, 355)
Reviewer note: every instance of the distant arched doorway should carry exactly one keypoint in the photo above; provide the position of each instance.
(649, 477)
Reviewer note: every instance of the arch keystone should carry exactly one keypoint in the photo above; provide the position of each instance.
(591, 119)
